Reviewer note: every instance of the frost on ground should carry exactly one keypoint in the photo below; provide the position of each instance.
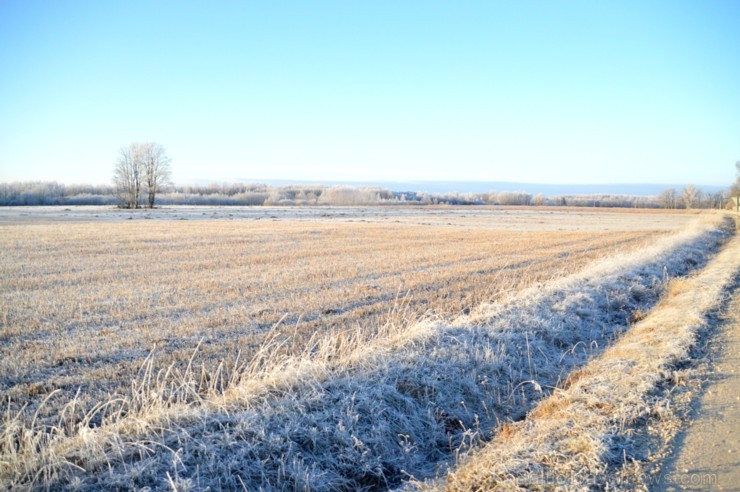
(371, 415)
(501, 218)
(606, 427)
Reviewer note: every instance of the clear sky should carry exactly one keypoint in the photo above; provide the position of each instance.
(532, 91)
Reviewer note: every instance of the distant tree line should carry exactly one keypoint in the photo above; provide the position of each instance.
(692, 197)
(52, 193)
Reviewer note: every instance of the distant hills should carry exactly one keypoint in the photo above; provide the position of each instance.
(633, 189)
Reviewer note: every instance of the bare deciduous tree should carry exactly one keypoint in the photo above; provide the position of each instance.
(539, 199)
(691, 196)
(140, 165)
(156, 169)
(127, 176)
(667, 198)
(716, 199)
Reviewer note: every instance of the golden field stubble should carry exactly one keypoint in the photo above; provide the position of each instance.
(82, 304)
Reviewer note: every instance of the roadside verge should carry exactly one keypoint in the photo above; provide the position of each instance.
(590, 432)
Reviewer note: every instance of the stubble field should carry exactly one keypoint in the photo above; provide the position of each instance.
(84, 303)
(92, 300)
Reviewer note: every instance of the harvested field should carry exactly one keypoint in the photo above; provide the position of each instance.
(479, 217)
(300, 301)
(84, 303)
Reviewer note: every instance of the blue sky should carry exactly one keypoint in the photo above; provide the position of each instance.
(529, 91)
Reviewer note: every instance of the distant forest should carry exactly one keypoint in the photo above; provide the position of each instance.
(52, 193)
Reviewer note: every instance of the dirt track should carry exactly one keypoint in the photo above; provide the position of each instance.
(707, 455)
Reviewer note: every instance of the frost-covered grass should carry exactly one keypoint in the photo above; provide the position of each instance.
(355, 408)
(589, 433)
(82, 304)
(479, 217)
